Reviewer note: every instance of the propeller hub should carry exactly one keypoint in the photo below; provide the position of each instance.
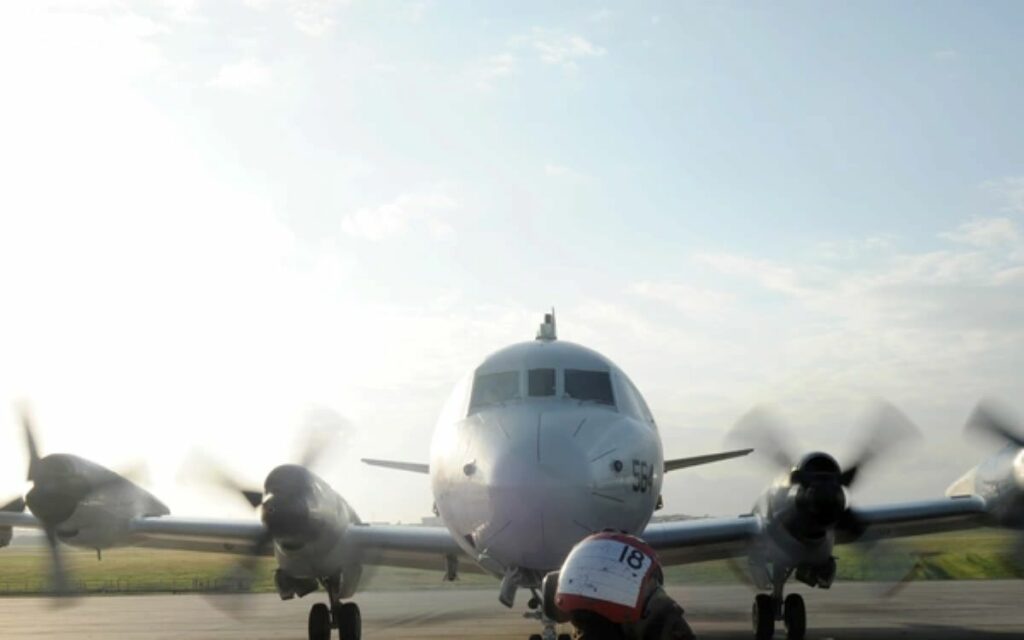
(57, 490)
(823, 500)
(285, 510)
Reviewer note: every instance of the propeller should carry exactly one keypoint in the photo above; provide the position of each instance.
(992, 420)
(820, 501)
(885, 426)
(54, 496)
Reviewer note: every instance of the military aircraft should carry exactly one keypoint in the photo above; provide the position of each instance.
(542, 444)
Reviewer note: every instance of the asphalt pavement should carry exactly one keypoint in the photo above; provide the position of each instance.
(971, 610)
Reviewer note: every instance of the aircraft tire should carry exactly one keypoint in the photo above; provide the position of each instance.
(794, 613)
(762, 616)
(350, 621)
(319, 622)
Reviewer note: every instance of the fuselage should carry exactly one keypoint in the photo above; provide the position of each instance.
(541, 445)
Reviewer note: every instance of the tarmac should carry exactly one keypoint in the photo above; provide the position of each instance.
(969, 610)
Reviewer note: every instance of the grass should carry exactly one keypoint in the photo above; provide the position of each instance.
(23, 570)
(972, 555)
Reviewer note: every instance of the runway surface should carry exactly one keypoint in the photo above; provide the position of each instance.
(925, 610)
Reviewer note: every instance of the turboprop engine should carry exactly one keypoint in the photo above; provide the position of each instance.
(808, 503)
(304, 525)
(999, 479)
(80, 503)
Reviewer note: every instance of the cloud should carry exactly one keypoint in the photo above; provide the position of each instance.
(181, 10)
(314, 18)
(685, 298)
(986, 232)
(559, 48)
(415, 10)
(553, 170)
(86, 49)
(551, 47)
(493, 68)
(1008, 192)
(246, 75)
(421, 211)
(770, 275)
(971, 285)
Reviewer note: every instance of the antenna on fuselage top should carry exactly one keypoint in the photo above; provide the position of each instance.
(547, 329)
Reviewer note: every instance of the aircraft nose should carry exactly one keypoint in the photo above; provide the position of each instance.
(541, 489)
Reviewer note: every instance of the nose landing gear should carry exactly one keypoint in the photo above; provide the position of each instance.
(550, 632)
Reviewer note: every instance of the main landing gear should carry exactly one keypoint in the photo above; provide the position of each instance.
(343, 616)
(771, 608)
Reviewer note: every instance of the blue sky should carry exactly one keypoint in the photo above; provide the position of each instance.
(216, 215)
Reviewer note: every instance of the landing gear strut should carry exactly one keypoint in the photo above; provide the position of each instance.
(536, 604)
(343, 616)
(771, 608)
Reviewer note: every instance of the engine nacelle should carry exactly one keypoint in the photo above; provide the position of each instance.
(308, 521)
(809, 500)
(999, 480)
(88, 505)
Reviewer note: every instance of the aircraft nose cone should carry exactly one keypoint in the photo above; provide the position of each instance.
(541, 489)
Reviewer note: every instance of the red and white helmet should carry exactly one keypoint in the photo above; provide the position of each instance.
(610, 574)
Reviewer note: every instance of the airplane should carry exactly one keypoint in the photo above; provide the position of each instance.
(542, 444)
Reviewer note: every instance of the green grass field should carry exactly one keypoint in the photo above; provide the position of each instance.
(971, 555)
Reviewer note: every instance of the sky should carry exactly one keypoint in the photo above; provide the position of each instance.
(223, 221)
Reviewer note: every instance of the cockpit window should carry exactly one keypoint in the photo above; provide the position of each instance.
(595, 386)
(540, 382)
(494, 388)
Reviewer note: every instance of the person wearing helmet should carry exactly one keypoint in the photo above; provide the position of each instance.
(611, 588)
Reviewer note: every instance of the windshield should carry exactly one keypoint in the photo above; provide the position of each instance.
(494, 388)
(540, 382)
(595, 386)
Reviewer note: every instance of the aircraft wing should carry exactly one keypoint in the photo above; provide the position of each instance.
(407, 546)
(21, 520)
(693, 461)
(197, 534)
(914, 518)
(697, 540)
(700, 539)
